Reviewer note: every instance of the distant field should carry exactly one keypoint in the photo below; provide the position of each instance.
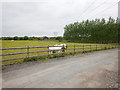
(30, 43)
(25, 43)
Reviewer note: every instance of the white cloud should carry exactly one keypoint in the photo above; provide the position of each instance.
(44, 17)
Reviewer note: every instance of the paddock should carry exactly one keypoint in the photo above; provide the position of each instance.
(14, 52)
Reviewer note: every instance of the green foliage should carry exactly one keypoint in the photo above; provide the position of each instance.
(59, 38)
(26, 38)
(15, 38)
(35, 59)
(20, 38)
(99, 31)
(7, 38)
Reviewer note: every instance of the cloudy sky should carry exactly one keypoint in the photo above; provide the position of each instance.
(44, 17)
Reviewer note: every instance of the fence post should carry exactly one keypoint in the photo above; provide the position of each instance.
(74, 49)
(96, 47)
(27, 51)
(83, 48)
(104, 46)
(48, 50)
(101, 47)
(90, 48)
(107, 46)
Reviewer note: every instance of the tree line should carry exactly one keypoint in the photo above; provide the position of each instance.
(59, 38)
(98, 31)
(20, 38)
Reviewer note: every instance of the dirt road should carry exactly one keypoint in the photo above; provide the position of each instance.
(94, 70)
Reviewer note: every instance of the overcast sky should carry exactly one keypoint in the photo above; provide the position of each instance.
(44, 17)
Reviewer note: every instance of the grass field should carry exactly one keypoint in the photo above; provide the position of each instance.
(26, 43)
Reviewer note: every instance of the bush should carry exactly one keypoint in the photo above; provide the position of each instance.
(31, 59)
(35, 58)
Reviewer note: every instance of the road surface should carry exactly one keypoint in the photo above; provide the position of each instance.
(93, 70)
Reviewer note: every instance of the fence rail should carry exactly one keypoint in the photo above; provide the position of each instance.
(75, 48)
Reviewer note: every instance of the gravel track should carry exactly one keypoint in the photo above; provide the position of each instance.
(92, 70)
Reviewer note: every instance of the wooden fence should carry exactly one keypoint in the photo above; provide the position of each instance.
(72, 48)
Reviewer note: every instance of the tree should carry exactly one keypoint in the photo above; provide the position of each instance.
(26, 38)
(98, 30)
(21, 38)
(16, 38)
(59, 38)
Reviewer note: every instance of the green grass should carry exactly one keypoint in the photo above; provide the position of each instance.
(25, 43)
(30, 43)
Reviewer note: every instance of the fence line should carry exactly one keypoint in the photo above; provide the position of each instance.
(82, 48)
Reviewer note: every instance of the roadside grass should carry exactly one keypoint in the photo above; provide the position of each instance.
(31, 43)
